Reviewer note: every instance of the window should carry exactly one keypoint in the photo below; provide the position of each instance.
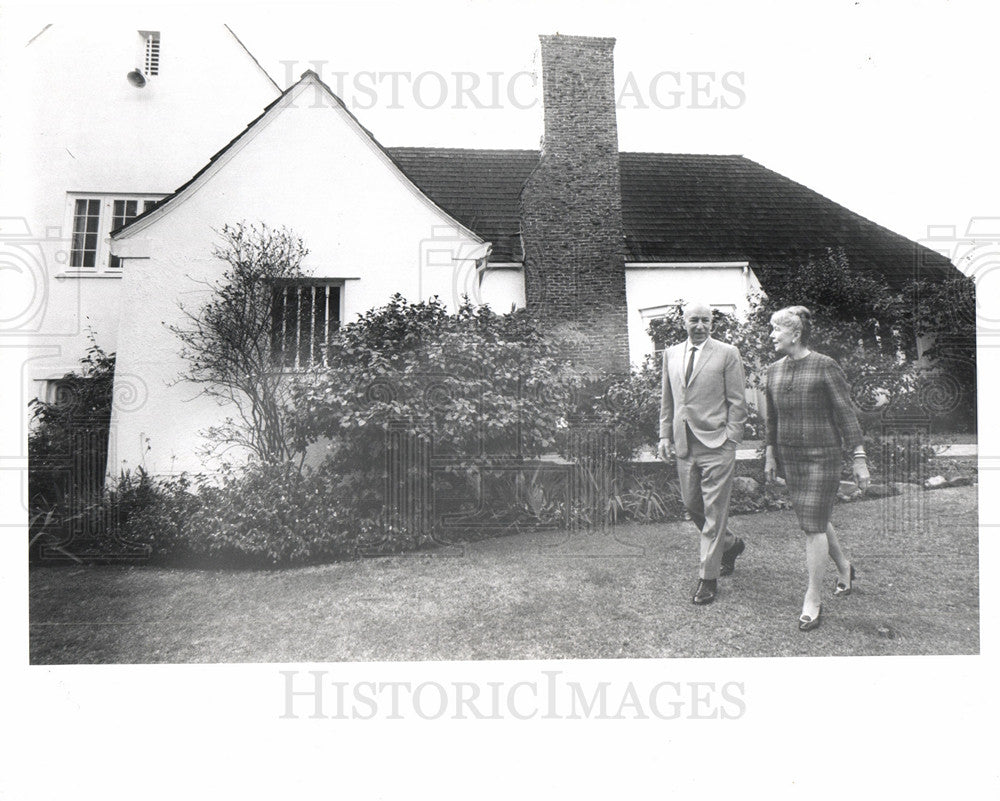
(123, 212)
(93, 220)
(304, 316)
(151, 41)
(86, 224)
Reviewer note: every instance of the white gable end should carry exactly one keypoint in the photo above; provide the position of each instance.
(85, 147)
(314, 170)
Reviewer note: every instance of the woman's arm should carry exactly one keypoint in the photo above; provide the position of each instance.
(847, 422)
(770, 430)
(839, 394)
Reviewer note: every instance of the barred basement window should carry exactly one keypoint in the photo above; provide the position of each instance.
(304, 317)
(152, 39)
(86, 225)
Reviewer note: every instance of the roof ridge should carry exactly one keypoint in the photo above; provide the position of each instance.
(696, 155)
(464, 149)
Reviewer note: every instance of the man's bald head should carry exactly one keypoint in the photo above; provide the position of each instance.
(697, 320)
(698, 307)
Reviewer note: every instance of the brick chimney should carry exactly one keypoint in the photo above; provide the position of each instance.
(571, 206)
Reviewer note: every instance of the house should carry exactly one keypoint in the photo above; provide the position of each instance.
(114, 117)
(593, 241)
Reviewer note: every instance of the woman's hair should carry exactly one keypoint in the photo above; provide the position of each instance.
(798, 318)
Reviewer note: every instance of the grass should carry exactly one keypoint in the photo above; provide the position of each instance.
(621, 594)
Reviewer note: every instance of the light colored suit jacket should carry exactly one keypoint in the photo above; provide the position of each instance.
(713, 403)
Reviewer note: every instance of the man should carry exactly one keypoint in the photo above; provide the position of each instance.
(702, 412)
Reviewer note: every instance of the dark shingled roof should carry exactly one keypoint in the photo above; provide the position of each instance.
(479, 188)
(676, 208)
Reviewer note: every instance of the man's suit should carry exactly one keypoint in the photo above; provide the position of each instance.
(703, 417)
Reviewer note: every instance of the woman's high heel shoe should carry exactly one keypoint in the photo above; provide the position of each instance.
(840, 589)
(807, 623)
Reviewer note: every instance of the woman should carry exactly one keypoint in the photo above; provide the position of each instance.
(809, 420)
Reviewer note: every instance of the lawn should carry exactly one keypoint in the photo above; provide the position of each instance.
(623, 593)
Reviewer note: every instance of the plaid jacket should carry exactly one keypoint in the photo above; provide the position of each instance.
(808, 403)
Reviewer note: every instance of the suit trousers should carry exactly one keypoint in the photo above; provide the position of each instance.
(706, 478)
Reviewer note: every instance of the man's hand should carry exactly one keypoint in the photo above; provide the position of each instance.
(770, 465)
(665, 450)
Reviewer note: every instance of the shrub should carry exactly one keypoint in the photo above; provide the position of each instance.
(264, 515)
(83, 396)
(897, 458)
(64, 483)
(629, 407)
(943, 314)
(412, 380)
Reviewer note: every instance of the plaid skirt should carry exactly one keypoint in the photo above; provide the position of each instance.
(813, 478)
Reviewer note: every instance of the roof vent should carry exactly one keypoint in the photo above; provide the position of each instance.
(152, 41)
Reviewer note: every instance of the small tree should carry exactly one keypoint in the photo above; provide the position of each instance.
(227, 342)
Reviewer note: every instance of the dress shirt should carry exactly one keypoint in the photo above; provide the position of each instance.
(697, 354)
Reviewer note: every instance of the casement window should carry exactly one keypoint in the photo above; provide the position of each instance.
(122, 213)
(94, 217)
(305, 314)
(86, 229)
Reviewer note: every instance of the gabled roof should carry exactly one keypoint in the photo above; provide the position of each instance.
(478, 187)
(309, 77)
(676, 208)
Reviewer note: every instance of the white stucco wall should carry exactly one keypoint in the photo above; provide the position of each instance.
(649, 289)
(502, 288)
(80, 127)
(315, 171)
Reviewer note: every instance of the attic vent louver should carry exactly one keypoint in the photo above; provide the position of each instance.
(152, 40)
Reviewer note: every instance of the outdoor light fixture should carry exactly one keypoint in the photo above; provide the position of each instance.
(136, 78)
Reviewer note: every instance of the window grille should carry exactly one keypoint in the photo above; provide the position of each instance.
(304, 317)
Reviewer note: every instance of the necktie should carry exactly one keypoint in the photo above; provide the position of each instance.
(690, 367)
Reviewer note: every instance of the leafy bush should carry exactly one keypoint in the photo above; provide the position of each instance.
(63, 483)
(629, 407)
(264, 515)
(81, 396)
(897, 458)
(456, 387)
(943, 314)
